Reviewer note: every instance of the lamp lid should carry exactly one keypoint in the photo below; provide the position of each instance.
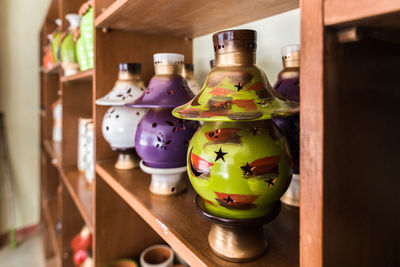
(128, 88)
(236, 92)
(74, 20)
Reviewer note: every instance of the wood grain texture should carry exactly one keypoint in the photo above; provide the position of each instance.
(77, 102)
(52, 212)
(187, 18)
(311, 133)
(361, 218)
(178, 222)
(115, 47)
(342, 11)
(119, 232)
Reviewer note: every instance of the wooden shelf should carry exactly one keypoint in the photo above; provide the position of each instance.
(54, 70)
(84, 76)
(342, 11)
(81, 192)
(178, 222)
(187, 18)
(52, 213)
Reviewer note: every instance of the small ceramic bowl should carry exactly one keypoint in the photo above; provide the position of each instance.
(157, 256)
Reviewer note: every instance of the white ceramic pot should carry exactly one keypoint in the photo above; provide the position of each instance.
(166, 182)
(82, 142)
(119, 126)
(57, 121)
(123, 92)
(157, 256)
(292, 195)
(89, 157)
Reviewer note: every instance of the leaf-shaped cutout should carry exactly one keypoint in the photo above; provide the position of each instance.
(129, 90)
(119, 95)
(168, 142)
(170, 123)
(159, 139)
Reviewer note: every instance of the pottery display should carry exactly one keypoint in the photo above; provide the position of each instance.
(157, 256)
(69, 61)
(238, 161)
(288, 87)
(48, 60)
(86, 33)
(161, 140)
(57, 120)
(83, 145)
(120, 122)
(89, 156)
(56, 41)
(187, 73)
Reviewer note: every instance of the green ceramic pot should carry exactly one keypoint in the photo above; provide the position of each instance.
(68, 49)
(81, 54)
(55, 45)
(240, 169)
(87, 36)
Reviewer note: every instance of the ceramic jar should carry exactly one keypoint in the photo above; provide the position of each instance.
(86, 34)
(157, 256)
(187, 73)
(120, 122)
(68, 49)
(57, 121)
(83, 145)
(56, 41)
(238, 161)
(89, 156)
(162, 140)
(288, 87)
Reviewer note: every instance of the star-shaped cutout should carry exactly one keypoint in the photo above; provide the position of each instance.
(247, 169)
(255, 131)
(220, 155)
(271, 181)
(239, 87)
(228, 200)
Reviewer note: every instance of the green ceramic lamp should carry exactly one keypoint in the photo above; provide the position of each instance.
(238, 161)
(69, 61)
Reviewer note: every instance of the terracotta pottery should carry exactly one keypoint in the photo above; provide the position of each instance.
(68, 49)
(157, 256)
(288, 87)
(238, 161)
(120, 122)
(161, 140)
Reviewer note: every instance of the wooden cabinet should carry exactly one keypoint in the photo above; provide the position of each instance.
(349, 136)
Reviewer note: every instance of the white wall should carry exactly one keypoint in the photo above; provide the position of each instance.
(273, 33)
(19, 99)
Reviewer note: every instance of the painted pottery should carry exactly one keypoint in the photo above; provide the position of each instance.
(56, 41)
(288, 87)
(68, 49)
(48, 60)
(157, 256)
(187, 73)
(86, 32)
(57, 121)
(161, 140)
(120, 122)
(241, 169)
(238, 161)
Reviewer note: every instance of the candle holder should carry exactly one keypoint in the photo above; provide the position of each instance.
(238, 161)
(288, 87)
(161, 140)
(120, 122)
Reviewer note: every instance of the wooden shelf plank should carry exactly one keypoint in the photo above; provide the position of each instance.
(81, 192)
(343, 11)
(52, 212)
(187, 18)
(86, 76)
(178, 222)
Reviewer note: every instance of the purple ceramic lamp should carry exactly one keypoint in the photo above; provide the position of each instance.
(288, 87)
(161, 140)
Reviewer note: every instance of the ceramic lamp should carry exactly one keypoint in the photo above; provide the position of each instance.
(120, 122)
(55, 45)
(161, 140)
(288, 87)
(238, 161)
(68, 49)
(86, 34)
(187, 73)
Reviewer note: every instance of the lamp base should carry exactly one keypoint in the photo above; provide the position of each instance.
(126, 161)
(292, 195)
(237, 240)
(166, 182)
